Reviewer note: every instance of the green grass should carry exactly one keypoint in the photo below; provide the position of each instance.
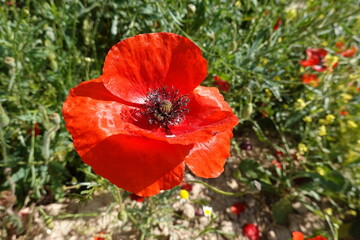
(48, 47)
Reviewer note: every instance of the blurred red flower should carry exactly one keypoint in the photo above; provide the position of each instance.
(297, 236)
(100, 236)
(315, 59)
(279, 153)
(310, 79)
(276, 164)
(277, 24)
(339, 45)
(251, 231)
(186, 186)
(344, 113)
(36, 129)
(349, 52)
(137, 198)
(223, 85)
(139, 123)
(346, 52)
(237, 208)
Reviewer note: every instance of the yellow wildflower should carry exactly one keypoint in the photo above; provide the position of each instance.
(320, 171)
(352, 124)
(322, 121)
(263, 61)
(307, 119)
(328, 211)
(184, 194)
(346, 97)
(322, 131)
(277, 78)
(329, 119)
(302, 148)
(268, 92)
(331, 61)
(291, 13)
(299, 104)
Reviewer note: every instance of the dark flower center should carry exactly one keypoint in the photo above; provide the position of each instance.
(165, 107)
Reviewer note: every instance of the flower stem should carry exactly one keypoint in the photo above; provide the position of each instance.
(216, 189)
(121, 205)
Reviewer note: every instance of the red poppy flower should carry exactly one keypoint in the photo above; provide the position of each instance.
(237, 208)
(311, 79)
(277, 24)
(251, 231)
(315, 59)
(297, 236)
(223, 85)
(186, 186)
(139, 123)
(349, 52)
(136, 198)
(318, 238)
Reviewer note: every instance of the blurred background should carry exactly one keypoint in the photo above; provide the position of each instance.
(295, 151)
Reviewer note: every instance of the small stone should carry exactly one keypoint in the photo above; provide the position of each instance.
(189, 210)
(280, 232)
(300, 208)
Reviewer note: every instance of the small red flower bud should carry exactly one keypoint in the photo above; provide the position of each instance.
(237, 208)
(251, 231)
(223, 85)
(186, 186)
(277, 24)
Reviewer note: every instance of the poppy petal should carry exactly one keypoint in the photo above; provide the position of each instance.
(144, 171)
(297, 235)
(316, 52)
(309, 62)
(92, 114)
(208, 115)
(207, 159)
(150, 61)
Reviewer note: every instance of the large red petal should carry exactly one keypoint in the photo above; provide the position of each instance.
(149, 61)
(207, 159)
(209, 115)
(137, 164)
(92, 114)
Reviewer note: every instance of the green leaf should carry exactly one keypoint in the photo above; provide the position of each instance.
(281, 209)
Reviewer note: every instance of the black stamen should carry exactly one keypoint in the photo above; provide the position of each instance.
(165, 107)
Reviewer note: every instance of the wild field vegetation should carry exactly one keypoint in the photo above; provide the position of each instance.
(306, 114)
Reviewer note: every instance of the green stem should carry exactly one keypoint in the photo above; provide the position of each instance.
(216, 189)
(121, 205)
